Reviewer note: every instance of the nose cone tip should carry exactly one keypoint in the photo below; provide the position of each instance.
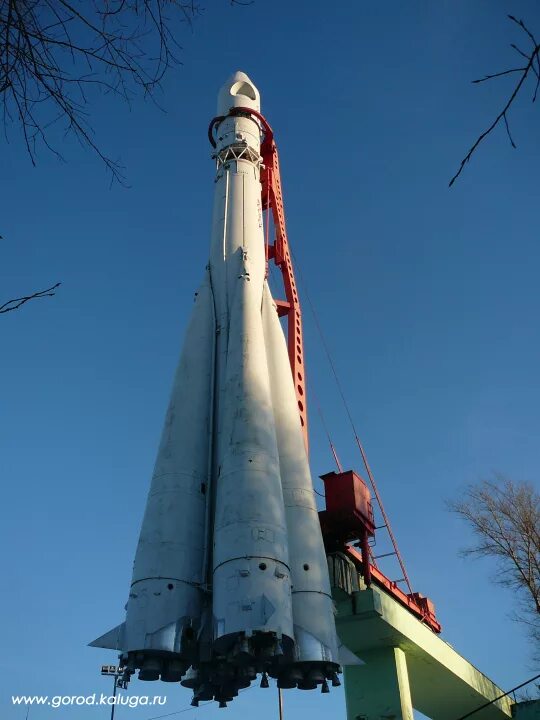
(238, 91)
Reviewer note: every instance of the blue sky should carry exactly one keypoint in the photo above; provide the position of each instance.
(427, 296)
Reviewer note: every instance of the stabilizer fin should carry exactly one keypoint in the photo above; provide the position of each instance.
(113, 639)
(347, 657)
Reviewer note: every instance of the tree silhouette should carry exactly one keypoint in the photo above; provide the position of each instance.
(505, 519)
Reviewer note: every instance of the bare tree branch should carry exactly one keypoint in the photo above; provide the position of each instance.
(16, 303)
(533, 64)
(505, 519)
(54, 53)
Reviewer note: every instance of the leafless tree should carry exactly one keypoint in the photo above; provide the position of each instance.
(505, 519)
(54, 54)
(530, 68)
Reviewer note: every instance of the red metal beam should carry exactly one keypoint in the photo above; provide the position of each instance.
(272, 199)
(419, 606)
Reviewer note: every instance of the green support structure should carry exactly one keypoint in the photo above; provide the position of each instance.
(380, 688)
(407, 665)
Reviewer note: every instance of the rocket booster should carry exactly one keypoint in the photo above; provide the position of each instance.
(230, 576)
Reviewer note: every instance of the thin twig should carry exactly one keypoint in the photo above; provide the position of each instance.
(533, 57)
(16, 303)
(53, 52)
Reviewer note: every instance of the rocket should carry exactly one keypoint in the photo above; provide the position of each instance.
(230, 577)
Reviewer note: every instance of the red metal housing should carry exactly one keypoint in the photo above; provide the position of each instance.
(348, 503)
(349, 517)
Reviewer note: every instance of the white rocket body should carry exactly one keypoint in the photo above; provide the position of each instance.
(230, 574)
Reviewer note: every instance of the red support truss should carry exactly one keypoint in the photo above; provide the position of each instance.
(272, 199)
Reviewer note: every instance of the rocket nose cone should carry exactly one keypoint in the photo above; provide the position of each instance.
(238, 91)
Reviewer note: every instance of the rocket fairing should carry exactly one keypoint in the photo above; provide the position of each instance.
(230, 577)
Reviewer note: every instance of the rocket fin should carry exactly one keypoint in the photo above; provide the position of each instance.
(347, 657)
(112, 640)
